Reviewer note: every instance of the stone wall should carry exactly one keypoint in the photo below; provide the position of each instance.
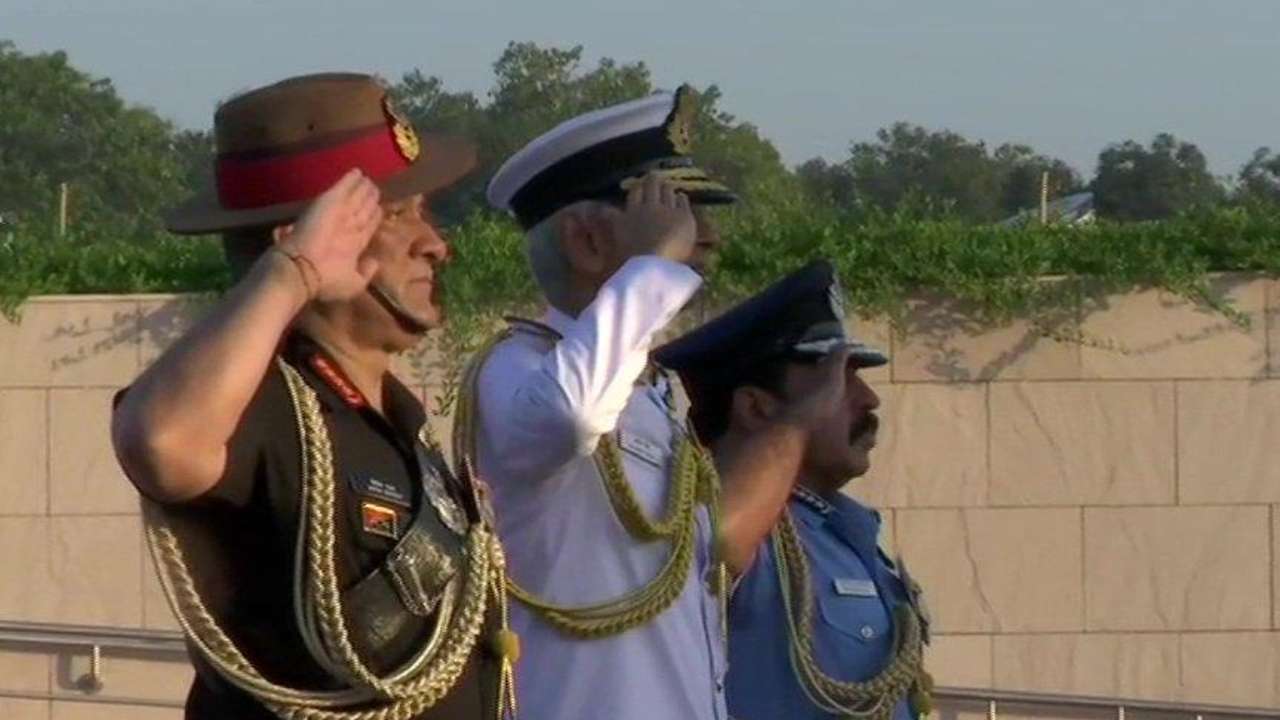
(1095, 516)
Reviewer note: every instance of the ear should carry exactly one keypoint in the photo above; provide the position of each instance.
(582, 243)
(751, 407)
(280, 233)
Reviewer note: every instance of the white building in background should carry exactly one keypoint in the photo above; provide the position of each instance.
(1077, 209)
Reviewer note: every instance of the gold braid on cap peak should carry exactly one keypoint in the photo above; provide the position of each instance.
(690, 179)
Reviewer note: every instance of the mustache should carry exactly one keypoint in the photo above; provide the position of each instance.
(869, 424)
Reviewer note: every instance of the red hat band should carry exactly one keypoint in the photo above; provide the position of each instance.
(247, 181)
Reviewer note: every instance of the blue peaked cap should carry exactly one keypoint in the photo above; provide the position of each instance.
(800, 317)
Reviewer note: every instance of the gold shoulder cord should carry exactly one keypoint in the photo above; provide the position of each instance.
(694, 482)
(406, 693)
(874, 699)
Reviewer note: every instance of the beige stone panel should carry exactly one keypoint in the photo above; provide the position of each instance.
(962, 661)
(24, 669)
(16, 709)
(1082, 443)
(1011, 570)
(85, 478)
(73, 710)
(165, 318)
(1228, 442)
(1183, 568)
(1275, 566)
(62, 342)
(24, 453)
(932, 449)
(1133, 666)
(943, 341)
(131, 677)
(1155, 334)
(25, 583)
(95, 564)
(1231, 668)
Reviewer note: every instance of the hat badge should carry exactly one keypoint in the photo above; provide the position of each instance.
(680, 122)
(405, 136)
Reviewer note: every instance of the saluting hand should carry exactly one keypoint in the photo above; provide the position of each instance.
(331, 236)
(657, 221)
(820, 396)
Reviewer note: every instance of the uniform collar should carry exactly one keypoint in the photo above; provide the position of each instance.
(401, 408)
(812, 500)
(307, 356)
(857, 522)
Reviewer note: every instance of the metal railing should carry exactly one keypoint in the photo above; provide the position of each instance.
(136, 639)
(94, 639)
(170, 645)
(994, 700)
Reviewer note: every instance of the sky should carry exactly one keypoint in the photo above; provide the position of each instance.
(1067, 77)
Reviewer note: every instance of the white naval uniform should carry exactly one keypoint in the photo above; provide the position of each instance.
(543, 405)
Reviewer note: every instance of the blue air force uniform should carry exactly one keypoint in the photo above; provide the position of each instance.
(855, 585)
(838, 630)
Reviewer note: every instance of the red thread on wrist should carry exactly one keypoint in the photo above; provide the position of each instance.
(298, 261)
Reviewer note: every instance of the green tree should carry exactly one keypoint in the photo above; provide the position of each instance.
(908, 161)
(1134, 182)
(426, 102)
(195, 153)
(826, 183)
(59, 124)
(735, 152)
(1022, 172)
(536, 88)
(1259, 179)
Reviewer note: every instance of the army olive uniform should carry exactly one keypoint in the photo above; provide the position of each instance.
(400, 527)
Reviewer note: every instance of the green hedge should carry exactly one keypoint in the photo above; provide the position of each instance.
(84, 262)
(884, 260)
(998, 273)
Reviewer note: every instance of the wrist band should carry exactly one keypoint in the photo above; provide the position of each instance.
(298, 261)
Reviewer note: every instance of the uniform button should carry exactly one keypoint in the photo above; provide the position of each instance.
(867, 632)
